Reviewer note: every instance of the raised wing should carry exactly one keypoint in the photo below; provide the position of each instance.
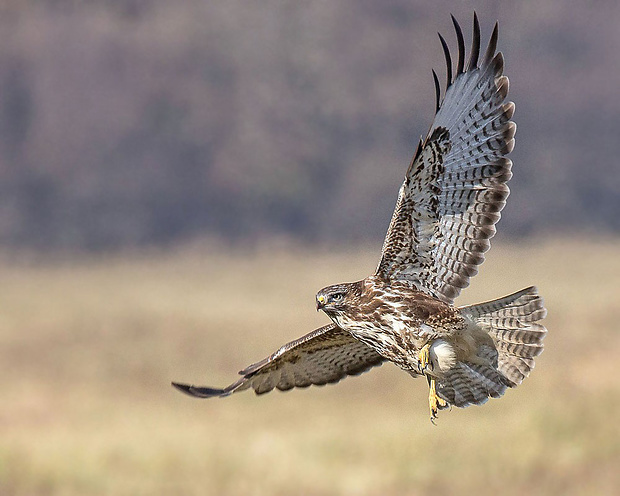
(455, 187)
(323, 356)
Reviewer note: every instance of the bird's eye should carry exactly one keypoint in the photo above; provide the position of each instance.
(337, 297)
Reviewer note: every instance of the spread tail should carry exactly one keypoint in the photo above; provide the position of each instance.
(512, 324)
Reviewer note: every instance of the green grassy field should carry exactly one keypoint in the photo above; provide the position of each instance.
(88, 349)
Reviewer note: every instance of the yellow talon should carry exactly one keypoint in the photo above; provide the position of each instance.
(434, 401)
(424, 357)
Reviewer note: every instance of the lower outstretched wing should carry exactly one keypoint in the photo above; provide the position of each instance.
(323, 356)
(455, 187)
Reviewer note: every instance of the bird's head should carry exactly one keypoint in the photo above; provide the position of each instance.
(337, 298)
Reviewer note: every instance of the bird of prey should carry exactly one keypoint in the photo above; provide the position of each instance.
(446, 211)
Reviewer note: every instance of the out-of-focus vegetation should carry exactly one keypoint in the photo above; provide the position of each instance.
(88, 349)
(136, 122)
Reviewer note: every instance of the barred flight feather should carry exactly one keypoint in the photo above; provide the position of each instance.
(455, 187)
(321, 357)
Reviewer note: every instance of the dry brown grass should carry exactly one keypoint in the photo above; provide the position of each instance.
(88, 350)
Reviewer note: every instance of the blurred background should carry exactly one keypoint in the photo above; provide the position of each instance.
(177, 179)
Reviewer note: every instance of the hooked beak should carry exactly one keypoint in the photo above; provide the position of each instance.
(320, 302)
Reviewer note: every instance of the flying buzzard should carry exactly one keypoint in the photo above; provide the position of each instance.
(445, 215)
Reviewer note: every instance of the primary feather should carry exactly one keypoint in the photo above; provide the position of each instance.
(455, 187)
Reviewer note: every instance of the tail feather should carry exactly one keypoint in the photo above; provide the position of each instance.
(525, 304)
(522, 350)
(511, 322)
(531, 335)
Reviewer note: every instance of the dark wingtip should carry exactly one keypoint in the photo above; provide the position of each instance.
(498, 63)
(492, 45)
(446, 52)
(184, 388)
(199, 392)
(475, 47)
(461, 44)
(437, 91)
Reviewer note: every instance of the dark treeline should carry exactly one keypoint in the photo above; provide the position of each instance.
(126, 123)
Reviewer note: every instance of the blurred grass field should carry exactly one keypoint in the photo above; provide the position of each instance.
(88, 349)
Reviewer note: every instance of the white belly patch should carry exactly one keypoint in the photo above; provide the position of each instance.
(442, 355)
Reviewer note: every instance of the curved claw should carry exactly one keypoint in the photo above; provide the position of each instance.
(435, 403)
(424, 359)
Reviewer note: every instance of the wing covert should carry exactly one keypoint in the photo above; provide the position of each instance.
(326, 355)
(455, 186)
